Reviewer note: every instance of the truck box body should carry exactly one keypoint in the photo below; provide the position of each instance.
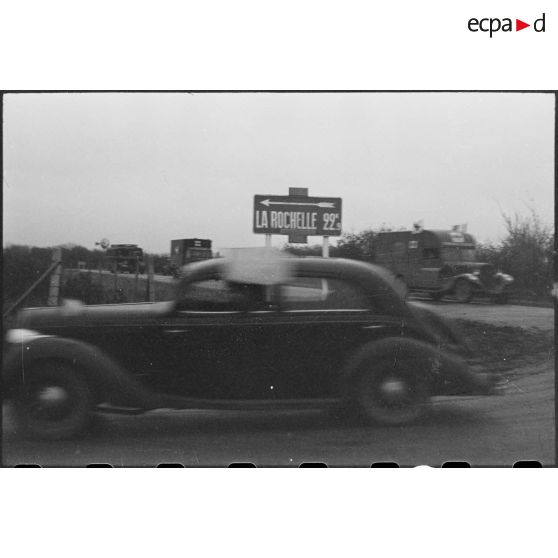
(188, 250)
(418, 257)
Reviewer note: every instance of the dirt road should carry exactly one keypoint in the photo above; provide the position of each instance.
(498, 430)
(498, 314)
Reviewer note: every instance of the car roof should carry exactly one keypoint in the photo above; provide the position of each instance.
(340, 267)
(442, 236)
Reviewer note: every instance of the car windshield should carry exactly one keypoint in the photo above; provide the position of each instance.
(458, 254)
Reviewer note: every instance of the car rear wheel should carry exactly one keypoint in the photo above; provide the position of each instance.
(463, 291)
(54, 402)
(391, 395)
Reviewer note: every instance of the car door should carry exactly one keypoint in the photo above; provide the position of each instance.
(213, 341)
(321, 322)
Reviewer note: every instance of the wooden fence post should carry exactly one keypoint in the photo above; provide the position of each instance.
(136, 283)
(150, 280)
(54, 288)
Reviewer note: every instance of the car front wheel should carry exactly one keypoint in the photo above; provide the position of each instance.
(463, 291)
(391, 395)
(54, 402)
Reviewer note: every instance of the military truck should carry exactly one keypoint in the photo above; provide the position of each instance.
(441, 262)
(187, 250)
(125, 258)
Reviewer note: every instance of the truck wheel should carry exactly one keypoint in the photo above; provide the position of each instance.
(54, 402)
(391, 395)
(501, 298)
(463, 291)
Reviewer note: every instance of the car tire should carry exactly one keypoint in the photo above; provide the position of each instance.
(391, 395)
(463, 291)
(436, 296)
(54, 402)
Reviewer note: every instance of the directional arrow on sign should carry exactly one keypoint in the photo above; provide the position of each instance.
(519, 25)
(267, 203)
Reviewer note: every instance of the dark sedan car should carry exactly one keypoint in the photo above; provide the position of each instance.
(300, 333)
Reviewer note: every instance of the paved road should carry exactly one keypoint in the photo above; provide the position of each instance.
(498, 430)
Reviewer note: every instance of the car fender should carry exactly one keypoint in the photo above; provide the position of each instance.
(443, 331)
(109, 381)
(505, 279)
(449, 281)
(444, 373)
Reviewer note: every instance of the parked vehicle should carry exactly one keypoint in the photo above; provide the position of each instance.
(125, 258)
(187, 250)
(301, 333)
(441, 263)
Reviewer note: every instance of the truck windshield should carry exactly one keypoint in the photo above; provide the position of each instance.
(458, 254)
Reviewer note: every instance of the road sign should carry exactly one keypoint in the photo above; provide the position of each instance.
(297, 215)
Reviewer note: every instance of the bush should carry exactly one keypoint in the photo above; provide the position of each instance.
(82, 287)
(354, 246)
(22, 266)
(527, 253)
(358, 246)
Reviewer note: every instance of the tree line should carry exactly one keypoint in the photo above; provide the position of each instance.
(526, 253)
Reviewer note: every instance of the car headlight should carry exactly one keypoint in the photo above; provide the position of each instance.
(21, 335)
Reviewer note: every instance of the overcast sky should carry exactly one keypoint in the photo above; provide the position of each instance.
(148, 168)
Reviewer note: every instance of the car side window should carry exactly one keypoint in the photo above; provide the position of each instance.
(215, 295)
(317, 293)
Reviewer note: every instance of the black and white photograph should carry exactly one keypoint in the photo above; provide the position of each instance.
(278, 279)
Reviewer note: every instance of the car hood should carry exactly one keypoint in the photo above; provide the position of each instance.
(75, 313)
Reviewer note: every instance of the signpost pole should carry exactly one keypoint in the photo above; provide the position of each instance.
(325, 247)
(268, 241)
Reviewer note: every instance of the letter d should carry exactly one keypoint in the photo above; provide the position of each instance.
(535, 27)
